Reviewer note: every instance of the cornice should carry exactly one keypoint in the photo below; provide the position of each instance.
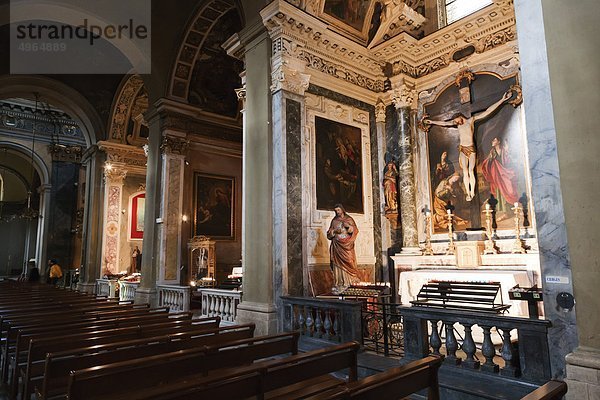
(300, 35)
(485, 29)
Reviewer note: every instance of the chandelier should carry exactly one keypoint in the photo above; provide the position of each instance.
(29, 213)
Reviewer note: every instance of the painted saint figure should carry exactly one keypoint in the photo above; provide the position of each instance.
(501, 178)
(447, 191)
(390, 177)
(467, 153)
(134, 256)
(342, 232)
(443, 169)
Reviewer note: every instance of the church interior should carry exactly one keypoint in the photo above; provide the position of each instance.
(390, 197)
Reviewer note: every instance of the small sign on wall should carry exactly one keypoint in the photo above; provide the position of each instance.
(557, 279)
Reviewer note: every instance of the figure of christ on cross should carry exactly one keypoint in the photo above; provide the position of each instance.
(467, 153)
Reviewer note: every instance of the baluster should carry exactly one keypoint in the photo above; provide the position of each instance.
(228, 309)
(221, 306)
(511, 367)
(327, 324)
(309, 321)
(301, 320)
(469, 348)
(337, 326)
(435, 341)
(318, 323)
(488, 351)
(213, 304)
(451, 344)
(293, 319)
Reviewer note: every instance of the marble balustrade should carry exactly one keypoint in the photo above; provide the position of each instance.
(176, 297)
(220, 302)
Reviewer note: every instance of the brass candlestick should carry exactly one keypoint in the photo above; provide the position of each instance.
(490, 246)
(451, 246)
(428, 250)
(518, 244)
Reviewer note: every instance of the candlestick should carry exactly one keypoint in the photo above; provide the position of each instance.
(490, 246)
(428, 250)
(451, 246)
(518, 243)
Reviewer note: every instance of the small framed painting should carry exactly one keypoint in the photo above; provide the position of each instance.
(136, 224)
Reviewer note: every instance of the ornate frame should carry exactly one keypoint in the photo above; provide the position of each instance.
(208, 202)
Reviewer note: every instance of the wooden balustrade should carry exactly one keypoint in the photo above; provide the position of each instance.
(220, 302)
(524, 348)
(176, 297)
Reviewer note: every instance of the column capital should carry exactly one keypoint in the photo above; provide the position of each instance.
(174, 145)
(288, 74)
(114, 174)
(403, 96)
(380, 107)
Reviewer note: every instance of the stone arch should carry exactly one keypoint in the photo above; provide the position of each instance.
(122, 110)
(59, 95)
(39, 164)
(191, 47)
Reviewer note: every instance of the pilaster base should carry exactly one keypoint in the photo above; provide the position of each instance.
(146, 296)
(86, 287)
(583, 374)
(264, 316)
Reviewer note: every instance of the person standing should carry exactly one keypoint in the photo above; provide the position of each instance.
(34, 272)
(342, 232)
(55, 272)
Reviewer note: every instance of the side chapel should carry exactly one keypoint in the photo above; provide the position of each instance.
(458, 136)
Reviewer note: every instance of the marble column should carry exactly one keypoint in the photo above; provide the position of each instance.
(258, 305)
(41, 249)
(146, 293)
(402, 98)
(386, 226)
(114, 175)
(92, 225)
(173, 148)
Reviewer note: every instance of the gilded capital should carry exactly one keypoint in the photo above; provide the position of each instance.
(114, 174)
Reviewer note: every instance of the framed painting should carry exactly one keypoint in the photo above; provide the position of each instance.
(351, 16)
(500, 165)
(338, 165)
(136, 221)
(214, 201)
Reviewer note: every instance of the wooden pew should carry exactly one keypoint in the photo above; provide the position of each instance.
(92, 314)
(58, 365)
(151, 371)
(395, 383)
(288, 378)
(39, 344)
(551, 390)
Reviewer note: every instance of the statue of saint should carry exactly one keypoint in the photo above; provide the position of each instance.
(134, 260)
(342, 232)
(467, 153)
(390, 190)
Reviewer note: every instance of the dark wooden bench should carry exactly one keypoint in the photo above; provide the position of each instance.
(58, 365)
(472, 296)
(395, 383)
(551, 390)
(166, 368)
(52, 321)
(293, 377)
(39, 344)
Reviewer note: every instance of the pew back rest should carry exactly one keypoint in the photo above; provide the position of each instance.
(551, 390)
